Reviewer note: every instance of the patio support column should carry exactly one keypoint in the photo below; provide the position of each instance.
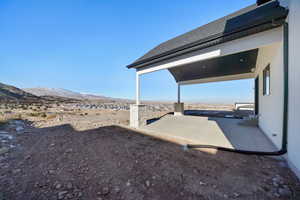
(178, 93)
(137, 89)
(178, 107)
(136, 110)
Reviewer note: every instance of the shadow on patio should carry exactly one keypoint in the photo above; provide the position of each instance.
(211, 127)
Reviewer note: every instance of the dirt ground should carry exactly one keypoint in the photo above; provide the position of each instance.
(92, 157)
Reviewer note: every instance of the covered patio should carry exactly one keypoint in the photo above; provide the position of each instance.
(223, 132)
(231, 48)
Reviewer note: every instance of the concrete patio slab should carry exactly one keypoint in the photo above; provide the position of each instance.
(222, 132)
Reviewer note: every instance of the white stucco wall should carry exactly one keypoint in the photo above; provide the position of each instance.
(294, 86)
(271, 106)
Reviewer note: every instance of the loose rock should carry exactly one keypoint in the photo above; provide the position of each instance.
(285, 192)
(69, 186)
(3, 150)
(19, 128)
(148, 183)
(62, 194)
(58, 186)
(104, 191)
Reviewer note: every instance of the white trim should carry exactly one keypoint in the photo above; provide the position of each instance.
(137, 79)
(217, 79)
(178, 93)
(239, 45)
(185, 61)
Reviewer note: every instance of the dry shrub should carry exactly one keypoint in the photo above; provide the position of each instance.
(42, 114)
(16, 116)
(51, 116)
(2, 123)
(12, 116)
(3, 120)
(35, 114)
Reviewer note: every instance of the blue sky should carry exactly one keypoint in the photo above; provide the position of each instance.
(84, 45)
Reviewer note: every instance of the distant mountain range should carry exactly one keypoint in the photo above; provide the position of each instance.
(11, 93)
(58, 92)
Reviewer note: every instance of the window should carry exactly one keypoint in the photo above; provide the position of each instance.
(266, 81)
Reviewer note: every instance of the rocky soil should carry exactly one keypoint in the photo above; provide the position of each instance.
(88, 154)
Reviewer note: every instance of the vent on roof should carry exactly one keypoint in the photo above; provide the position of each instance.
(260, 2)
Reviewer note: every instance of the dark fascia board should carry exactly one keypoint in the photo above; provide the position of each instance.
(275, 18)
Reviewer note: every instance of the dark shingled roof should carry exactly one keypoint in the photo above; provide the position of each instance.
(250, 20)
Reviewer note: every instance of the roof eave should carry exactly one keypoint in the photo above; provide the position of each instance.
(273, 20)
(213, 41)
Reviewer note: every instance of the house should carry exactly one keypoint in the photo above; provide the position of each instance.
(260, 42)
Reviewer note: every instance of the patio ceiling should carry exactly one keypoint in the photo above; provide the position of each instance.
(234, 64)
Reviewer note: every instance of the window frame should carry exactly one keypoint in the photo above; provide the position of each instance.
(267, 81)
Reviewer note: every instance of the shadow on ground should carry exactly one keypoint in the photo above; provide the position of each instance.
(116, 163)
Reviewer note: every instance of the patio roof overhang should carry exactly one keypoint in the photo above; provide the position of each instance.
(250, 20)
(232, 60)
(225, 49)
